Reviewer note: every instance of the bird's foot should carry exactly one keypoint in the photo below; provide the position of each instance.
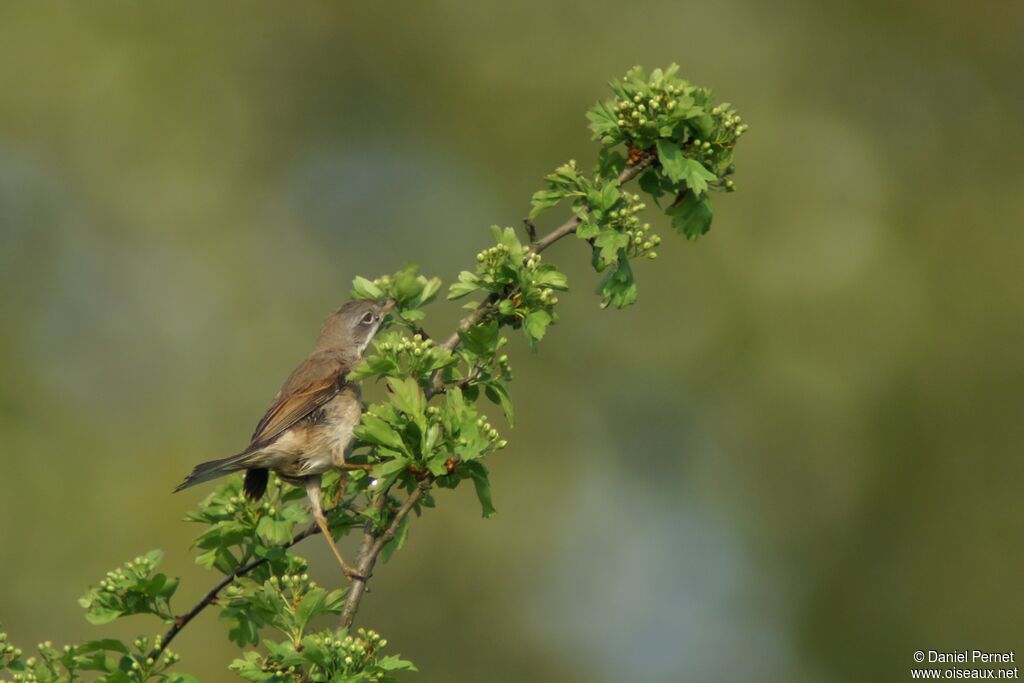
(353, 574)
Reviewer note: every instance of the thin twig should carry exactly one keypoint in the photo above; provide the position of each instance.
(531, 230)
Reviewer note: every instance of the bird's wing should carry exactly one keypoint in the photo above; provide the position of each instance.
(315, 382)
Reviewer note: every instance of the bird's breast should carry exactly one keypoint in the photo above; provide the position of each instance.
(329, 431)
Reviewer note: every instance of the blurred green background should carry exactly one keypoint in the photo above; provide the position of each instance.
(798, 458)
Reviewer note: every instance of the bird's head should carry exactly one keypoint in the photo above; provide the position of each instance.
(350, 328)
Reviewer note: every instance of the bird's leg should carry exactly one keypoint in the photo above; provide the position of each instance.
(339, 492)
(313, 491)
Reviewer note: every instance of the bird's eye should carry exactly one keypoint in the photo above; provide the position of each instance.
(368, 318)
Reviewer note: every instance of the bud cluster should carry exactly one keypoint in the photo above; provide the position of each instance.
(488, 432)
(646, 109)
(144, 665)
(352, 655)
(295, 584)
(120, 579)
(410, 352)
(324, 656)
(641, 241)
(8, 653)
(520, 286)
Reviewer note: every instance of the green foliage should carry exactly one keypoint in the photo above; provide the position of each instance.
(110, 661)
(325, 656)
(287, 602)
(432, 429)
(407, 288)
(132, 589)
(686, 142)
(239, 530)
(519, 287)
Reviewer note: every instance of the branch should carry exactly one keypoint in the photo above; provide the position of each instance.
(477, 314)
(373, 544)
(373, 541)
(211, 596)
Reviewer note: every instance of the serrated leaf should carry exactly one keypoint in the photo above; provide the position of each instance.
(696, 176)
(537, 323)
(543, 200)
(671, 157)
(407, 396)
(618, 287)
(611, 243)
(468, 283)
(376, 431)
(692, 215)
(481, 340)
(548, 275)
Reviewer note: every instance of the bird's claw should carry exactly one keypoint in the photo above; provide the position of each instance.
(353, 574)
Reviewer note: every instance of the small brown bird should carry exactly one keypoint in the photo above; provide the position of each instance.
(308, 428)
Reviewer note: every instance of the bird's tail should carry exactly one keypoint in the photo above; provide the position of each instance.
(215, 468)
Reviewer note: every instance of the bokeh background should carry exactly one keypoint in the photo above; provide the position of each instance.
(798, 458)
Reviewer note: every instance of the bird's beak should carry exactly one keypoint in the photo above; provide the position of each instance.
(388, 305)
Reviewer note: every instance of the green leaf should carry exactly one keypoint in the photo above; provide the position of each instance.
(389, 466)
(610, 163)
(481, 340)
(696, 176)
(611, 243)
(603, 199)
(671, 157)
(618, 286)
(273, 530)
(498, 393)
(691, 216)
(587, 228)
(398, 541)
(602, 120)
(376, 431)
(407, 396)
(102, 615)
(543, 200)
(429, 291)
(482, 484)
(311, 605)
(106, 644)
(548, 275)
(468, 283)
(372, 366)
(364, 289)
(650, 182)
(408, 284)
(395, 663)
(181, 678)
(537, 323)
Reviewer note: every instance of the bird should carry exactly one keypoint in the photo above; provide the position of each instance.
(309, 426)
